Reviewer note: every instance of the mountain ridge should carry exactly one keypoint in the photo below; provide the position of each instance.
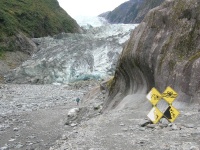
(132, 11)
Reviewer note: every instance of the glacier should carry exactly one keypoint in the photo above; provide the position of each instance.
(67, 57)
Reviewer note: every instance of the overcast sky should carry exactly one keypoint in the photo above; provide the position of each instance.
(88, 7)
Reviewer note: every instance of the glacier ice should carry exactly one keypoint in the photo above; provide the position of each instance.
(68, 57)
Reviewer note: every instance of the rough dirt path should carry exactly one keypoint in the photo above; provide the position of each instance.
(121, 130)
(33, 116)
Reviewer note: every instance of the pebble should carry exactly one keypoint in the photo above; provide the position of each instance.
(142, 129)
(73, 124)
(124, 129)
(121, 124)
(15, 129)
(163, 125)
(174, 127)
(19, 146)
(29, 144)
(2, 128)
(64, 137)
(31, 137)
(151, 126)
(11, 140)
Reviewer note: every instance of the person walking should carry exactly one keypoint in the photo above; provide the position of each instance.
(77, 100)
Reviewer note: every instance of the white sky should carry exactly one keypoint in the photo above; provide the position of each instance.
(88, 7)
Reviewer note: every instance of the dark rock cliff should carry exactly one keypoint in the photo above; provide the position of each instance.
(132, 11)
(164, 50)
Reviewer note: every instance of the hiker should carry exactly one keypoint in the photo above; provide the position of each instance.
(77, 100)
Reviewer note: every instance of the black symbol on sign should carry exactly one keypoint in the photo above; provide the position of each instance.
(156, 115)
(169, 114)
(172, 113)
(155, 97)
(169, 94)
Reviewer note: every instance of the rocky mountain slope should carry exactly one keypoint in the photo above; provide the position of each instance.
(132, 11)
(24, 19)
(33, 18)
(162, 51)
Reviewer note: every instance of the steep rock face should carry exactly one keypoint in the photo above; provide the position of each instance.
(132, 11)
(70, 57)
(164, 50)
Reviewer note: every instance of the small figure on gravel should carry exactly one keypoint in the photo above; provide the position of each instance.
(77, 100)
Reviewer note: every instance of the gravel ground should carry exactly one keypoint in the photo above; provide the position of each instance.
(122, 130)
(33, 116)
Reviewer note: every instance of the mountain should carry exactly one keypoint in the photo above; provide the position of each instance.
(132, 11)
(37, 18)
(24, 19)
(162, 51)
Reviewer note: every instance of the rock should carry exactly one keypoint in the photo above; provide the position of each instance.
(31, 137)
(103, 91)
(142, 129)
(163, 125)
(73, 124)
(18, 146)
(4, 148)
(124, 129)
(11, 140)
(64, 137)
(68, 122)
(145, 123)
(194, 148)
(73, 112)
(2, 128)
(121, 124)
(174, 127)
(98, 106)
(15, 129)
(164, 121)
(151, 126)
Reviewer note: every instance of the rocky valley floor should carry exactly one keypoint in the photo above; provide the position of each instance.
(33, 117)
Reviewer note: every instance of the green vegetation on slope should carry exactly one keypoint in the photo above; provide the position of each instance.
(34, 18)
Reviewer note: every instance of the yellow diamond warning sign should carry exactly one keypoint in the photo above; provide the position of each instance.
(154, 96)
(171, 113)
(155, 115)
(169, 95)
